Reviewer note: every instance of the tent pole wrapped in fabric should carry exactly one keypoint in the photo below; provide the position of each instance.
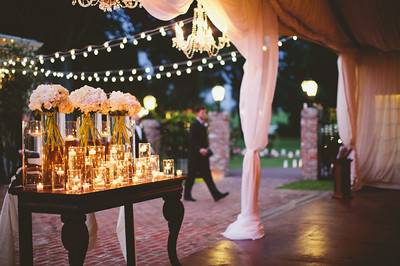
(255, 27)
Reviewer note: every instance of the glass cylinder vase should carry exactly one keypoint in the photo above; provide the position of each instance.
(52, 147)
(123, 132)
(88, 130)
(31, 153)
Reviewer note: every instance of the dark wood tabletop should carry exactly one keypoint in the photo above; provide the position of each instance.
(73, 207)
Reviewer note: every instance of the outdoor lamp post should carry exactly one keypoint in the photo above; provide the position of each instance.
(150, 102)
(310, 87)
(218, 94)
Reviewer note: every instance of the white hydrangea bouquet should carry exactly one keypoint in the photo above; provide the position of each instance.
(88, 101)
(48, 99)
(121, 105)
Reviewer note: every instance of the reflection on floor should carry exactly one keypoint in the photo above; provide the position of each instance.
(363, 231)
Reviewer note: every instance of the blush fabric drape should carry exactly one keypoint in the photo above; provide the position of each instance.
(371, 82)
(366, 36)
(250, 25)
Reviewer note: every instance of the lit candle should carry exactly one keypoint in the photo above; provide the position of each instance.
(39, 187)
(75, 188)
(86, 187)
(60, 172)
(69, 138)
(72, 153)
(178, 172)
(92, 152)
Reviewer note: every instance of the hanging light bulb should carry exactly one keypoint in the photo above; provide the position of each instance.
(201, 39)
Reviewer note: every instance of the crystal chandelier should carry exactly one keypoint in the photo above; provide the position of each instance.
(201, 39)
(107, 5)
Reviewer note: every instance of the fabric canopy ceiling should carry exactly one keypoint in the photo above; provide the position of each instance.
(342, 24)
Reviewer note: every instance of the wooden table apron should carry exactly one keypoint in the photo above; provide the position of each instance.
(73, 207)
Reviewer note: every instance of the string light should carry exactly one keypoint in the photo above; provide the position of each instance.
(188, 66)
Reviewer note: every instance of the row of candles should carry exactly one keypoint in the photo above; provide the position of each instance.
(90, 168)
(102, 166)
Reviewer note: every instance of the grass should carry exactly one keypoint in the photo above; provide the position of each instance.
(237, 160)
(322, 185)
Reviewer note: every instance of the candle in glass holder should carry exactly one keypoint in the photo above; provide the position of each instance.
(58, 177)
(35, 128)
(74, 180)
(39, 187)
(86, 187)
(155, 163)
(178, 172)
(168, 167)
(116, 152)
(76, 157)
(144, 150)
(100, 177)
(70, 131)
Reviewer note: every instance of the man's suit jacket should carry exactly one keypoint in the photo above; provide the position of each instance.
(198, 138)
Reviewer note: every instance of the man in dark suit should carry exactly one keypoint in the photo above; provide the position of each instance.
(199, 154)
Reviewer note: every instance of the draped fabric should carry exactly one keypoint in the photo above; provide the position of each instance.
(366, 35)
(255, 27)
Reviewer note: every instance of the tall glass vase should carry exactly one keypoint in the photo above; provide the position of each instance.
(88, 130)
(123, 132)
(52, 147)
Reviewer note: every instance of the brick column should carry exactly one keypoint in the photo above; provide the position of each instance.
(219, 137)
(309, 142)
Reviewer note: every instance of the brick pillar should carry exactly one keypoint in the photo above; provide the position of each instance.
(219, 137)
(152, 129)
(309, 142)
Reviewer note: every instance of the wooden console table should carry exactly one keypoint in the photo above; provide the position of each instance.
(74, 207)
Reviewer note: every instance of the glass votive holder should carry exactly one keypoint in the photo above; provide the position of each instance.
(155, 163)
(58, 177)
(39, 187)
(88, 171)
(74, 183)
(144, 150)
(99, 180)
(76, 157)
(35, 128)
(122, 173)
(168, 167)
(96, 154)
(178, 172)
(116, 152)
(111, 167)
(140, 168)
(71, 133)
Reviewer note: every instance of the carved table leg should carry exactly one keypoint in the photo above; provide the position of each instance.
(173, 211)
(129, 236)
(25, 236)
(75, 237)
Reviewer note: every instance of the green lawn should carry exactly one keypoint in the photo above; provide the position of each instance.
(237, 160)
(324, 185)
(290, 144)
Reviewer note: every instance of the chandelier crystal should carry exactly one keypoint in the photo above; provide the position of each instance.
(201, 39)
(108, 5)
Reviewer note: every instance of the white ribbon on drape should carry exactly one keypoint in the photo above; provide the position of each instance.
(250, 25)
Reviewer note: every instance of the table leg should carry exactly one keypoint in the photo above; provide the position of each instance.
(75, 237)
(173, 211)
(25, 236)
(129, 235)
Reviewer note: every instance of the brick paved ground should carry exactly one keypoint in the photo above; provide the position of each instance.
(202, 226)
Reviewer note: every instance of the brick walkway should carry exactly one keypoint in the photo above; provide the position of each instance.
(202, 226)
